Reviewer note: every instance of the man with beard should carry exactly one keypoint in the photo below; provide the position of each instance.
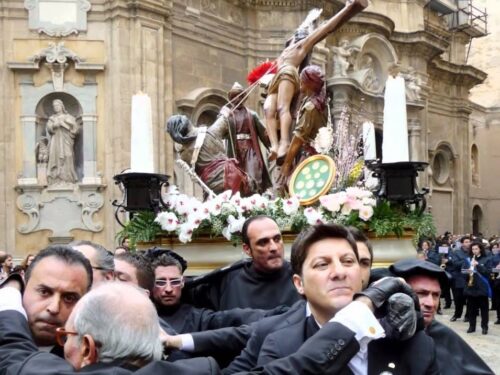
(265, 282)
(245, 132)
(454, 356)
(56, 279)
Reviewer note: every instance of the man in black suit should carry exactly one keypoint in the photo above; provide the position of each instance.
(262, 283)
(454, 355)
(327, 274)
(113, 329)
(185, 318)
(56, 279)
(249, 339)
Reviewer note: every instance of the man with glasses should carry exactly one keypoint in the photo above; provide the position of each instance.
(100, 259)
(185, 318)
(56, 279)
(113, 329)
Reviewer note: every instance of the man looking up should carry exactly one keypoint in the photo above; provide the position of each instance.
(262, 283)
(56, 279)
(454, 356)
(100, 259)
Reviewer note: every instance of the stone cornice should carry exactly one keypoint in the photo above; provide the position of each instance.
(423, 43)
(462, 75)
(377, 23)
(158, 10)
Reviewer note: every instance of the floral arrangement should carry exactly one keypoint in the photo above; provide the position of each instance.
(349, 203)
(186, 217)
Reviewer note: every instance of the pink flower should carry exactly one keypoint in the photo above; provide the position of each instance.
(365, 213)
(330, 202)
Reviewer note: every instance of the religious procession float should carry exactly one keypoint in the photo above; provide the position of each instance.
(296, 166)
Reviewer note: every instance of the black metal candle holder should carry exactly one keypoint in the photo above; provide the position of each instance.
(398, 182)
(141, 192)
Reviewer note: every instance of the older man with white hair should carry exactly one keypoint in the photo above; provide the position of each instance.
(112, 329)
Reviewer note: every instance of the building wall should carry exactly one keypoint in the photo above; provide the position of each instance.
(186, 54)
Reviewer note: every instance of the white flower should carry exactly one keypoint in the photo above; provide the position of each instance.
(183, 204)
(236, 199)
(324, 140)
(365, 213)
(346, 209)
(259, 201)
(195, 218)
(291, 205)
(214, 206)
(355, 192)
(369, 202)
(186, 232)
(167, 220)
(226, 232)
(224, 197)
(245, 205)
(341, 196)
(313, 216)
(330, 202)
(235, 225)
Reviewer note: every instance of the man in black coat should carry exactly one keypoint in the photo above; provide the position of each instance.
(327, 274)
(185, 318)
(112, 329)
(454, 266)
(262, 283)
(454, 355)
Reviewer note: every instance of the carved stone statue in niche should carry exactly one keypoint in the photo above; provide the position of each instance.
(341, 55)
(62, 129)
(42, 158)
(370, 80)
(413, 85)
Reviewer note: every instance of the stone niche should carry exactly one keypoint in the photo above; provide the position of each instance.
(59, 188)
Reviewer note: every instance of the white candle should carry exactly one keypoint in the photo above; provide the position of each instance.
(141, 135)
(395, 141)
(369, 148)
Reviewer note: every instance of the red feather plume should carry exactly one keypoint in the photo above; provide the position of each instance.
(267, 67)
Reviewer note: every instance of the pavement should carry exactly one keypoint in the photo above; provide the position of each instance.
(487, 346)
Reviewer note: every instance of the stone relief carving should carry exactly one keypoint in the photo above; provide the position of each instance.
(209, 6)
(29, 205)
(43, 207)
(42, 159)
(370, 80)
(62, 128)
(57, 55)
(413, 85)
(341, 55)
(57, 18)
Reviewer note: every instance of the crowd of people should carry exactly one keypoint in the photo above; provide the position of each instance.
(79, 307)
(473, 264)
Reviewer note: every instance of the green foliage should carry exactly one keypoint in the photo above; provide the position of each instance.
(141, 228)
(390, 219)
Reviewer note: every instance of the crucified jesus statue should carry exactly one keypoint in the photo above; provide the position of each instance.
(285, 84)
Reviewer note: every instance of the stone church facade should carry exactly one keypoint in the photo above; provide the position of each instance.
(94, 55)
